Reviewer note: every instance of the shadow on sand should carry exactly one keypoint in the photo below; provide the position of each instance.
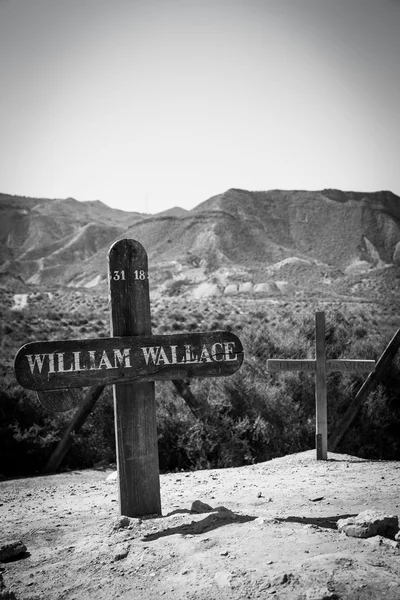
(327, 522)
(218, 518)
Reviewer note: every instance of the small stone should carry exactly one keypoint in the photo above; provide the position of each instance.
(320, 593)
(200, 507)
(121, 522)
(11, 549)
(280, 579)
(224, 553)
(272, 582)
(121, 552)
(112, 477)
(380, 541)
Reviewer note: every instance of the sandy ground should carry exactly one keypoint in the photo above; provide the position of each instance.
(280, 540)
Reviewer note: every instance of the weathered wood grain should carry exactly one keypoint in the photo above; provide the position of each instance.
(321, 407)
(60, 400)
(349, 365)
(277, 365)
(336, 364)
(105, 361)
(134, 403)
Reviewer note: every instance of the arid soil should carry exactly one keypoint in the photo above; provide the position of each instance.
(277, 539)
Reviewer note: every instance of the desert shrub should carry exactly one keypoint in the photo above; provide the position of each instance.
(30, 433)
(174, 418)
(375, 432)
(176, 287)
(29, 449)
(54, 315)
(217, 444)
(24, 439)
(98, 433)
(254, 415)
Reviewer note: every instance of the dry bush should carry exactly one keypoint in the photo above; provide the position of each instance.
(254, 415)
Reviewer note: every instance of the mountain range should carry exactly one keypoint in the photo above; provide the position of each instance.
(238, 242)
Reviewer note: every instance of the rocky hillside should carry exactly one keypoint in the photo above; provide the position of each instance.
(39, 237)
(337, 228)
(238, 241)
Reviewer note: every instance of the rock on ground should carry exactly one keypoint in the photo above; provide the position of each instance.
(368, 524)
(11, 549)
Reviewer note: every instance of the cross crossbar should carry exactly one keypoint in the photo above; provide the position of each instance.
(105, 361)
(336, 364)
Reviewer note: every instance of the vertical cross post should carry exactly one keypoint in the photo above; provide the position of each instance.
(321, 410)
(134, 403)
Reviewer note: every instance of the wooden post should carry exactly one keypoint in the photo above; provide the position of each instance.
(369, 384)
(134, 403)
(199, 409)
(321, 411)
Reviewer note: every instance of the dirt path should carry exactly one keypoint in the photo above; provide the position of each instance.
(277, 539)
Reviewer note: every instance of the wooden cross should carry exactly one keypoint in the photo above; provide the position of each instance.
(131, 360)
(320, 366)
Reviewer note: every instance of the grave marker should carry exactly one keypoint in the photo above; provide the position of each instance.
(131, 360)
(320, 366)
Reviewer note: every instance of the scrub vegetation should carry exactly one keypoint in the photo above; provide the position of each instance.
(252, 416)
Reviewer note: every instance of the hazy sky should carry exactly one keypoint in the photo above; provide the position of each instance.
(148, 104)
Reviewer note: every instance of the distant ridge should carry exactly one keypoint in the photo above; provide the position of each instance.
(176, 211)
(308, 239)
